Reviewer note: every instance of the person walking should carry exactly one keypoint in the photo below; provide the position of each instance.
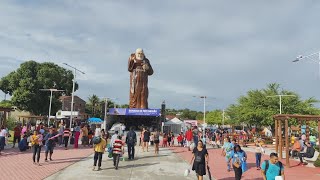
(172, 139)
(238, 157)
(131, 140)
(3, 135)
(156, 142)
(189, 137)
(16, 135)
(272, 168)
(61, 130)
(66, 136)
(258, 153)
(85, 134)
(201, 158)
(114, 137)
(50, 143)
(146, 139)
(99, 150)
(117, 151)
(77, 130)
(36, 142)
(195, 133)
(226, 151)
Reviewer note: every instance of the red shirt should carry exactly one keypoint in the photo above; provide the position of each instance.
(17, 131)
(189, 135)
(180, 137)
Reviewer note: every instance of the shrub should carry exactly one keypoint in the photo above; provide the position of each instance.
(317, 162)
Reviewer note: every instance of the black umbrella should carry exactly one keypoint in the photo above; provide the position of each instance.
(209, 173)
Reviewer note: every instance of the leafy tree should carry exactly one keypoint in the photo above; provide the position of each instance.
(6, 104)
(214, 117)
(25, 83)
(96, 106)
(256, 108)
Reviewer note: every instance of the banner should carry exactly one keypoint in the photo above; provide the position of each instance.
(134, 112)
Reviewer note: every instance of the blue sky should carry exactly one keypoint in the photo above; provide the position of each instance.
(220, 49)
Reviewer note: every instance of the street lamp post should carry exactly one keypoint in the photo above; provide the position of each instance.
(51, 90)
(223, 115)
(280, 100)
(73, 87)
(204, 108)
(105, 111)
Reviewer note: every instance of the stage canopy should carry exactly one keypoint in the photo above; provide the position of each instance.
(134, 112)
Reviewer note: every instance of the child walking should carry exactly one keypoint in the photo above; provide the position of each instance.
(258, 152)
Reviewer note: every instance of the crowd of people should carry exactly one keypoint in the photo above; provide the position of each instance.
(195, 139)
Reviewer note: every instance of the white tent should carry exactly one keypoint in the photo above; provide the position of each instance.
(174, 125)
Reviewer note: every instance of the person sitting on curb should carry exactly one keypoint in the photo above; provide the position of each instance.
(23, 145)
(296, 148)
(309, 152)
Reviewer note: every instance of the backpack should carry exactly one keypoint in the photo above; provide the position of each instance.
(267, 166)
(96, 140)
(131, 137)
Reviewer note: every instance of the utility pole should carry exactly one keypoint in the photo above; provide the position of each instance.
(73, 87)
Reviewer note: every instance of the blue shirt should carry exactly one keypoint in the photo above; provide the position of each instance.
(273, 170)
(237, 156)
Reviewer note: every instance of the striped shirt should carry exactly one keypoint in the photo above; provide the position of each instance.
(117, 146)
(66, 132)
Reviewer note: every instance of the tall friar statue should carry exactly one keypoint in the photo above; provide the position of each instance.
(140, 68)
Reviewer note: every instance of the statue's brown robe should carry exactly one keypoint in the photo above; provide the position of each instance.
(139, 82)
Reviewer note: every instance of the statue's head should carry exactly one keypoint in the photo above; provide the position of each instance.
(139, 54)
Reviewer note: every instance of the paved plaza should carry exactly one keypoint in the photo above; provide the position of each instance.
(146, 166)
(170, 164)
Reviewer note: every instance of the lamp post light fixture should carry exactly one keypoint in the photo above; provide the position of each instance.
(73, 87)
(280, 100)
(204, 108)
(314, 57)
(51, 90)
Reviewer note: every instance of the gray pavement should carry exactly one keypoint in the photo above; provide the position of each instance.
(166, 166)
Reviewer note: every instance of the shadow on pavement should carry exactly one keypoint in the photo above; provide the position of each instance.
(131, 166)
(154, 156)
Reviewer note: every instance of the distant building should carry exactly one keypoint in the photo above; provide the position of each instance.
(78, 104)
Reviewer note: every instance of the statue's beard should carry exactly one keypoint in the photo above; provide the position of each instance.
(139, 57)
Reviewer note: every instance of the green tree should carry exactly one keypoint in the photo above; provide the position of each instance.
(96, 106)
(256, 108)
(24, 84)
(6, 104)
(214, 117)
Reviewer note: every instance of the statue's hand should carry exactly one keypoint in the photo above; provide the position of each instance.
(145, 67)
(132, 57)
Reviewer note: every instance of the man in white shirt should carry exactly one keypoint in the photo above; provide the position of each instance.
(123, 128)
(113, 138)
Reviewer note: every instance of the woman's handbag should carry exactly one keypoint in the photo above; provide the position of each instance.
(236, 164)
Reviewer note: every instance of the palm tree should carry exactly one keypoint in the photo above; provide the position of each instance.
(94, 103)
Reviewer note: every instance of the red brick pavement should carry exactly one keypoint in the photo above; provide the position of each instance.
(19, 165)
(218, 167)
